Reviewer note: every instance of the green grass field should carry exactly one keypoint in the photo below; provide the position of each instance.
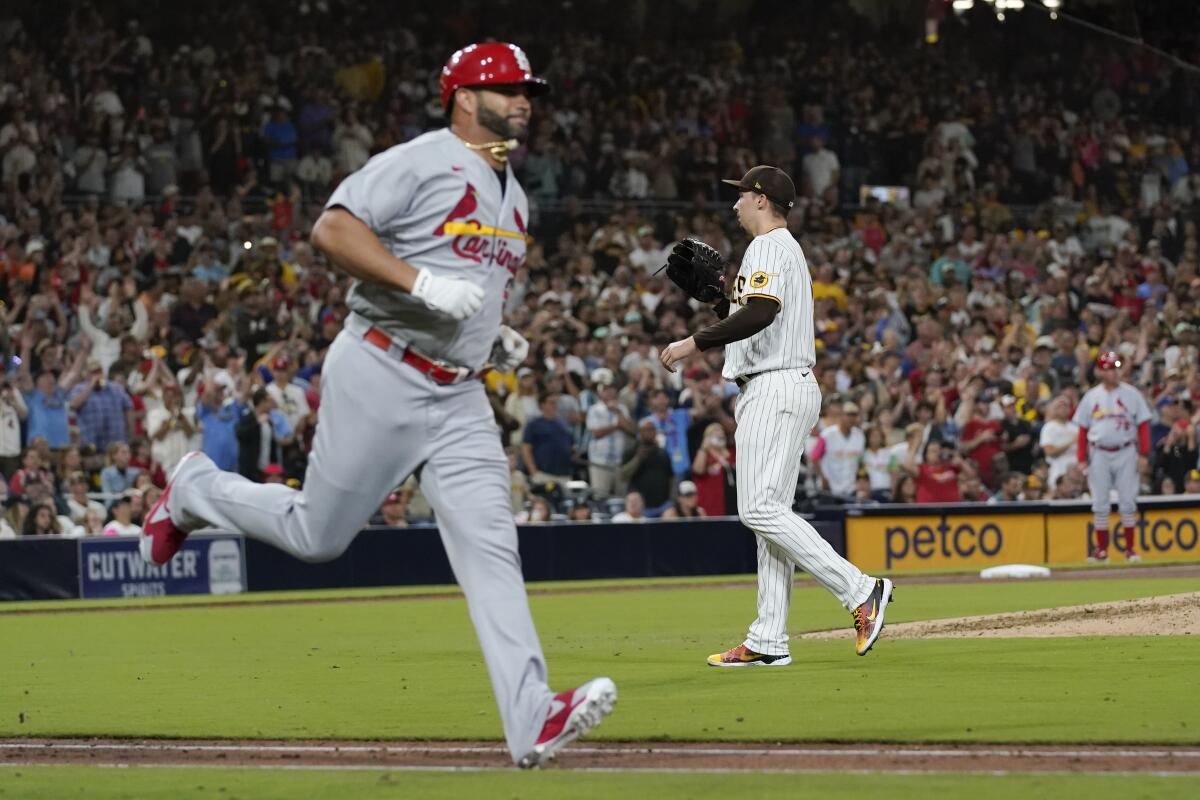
(85, 783)
(410, 668)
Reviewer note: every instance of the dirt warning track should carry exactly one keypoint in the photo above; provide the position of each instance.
(608, 756)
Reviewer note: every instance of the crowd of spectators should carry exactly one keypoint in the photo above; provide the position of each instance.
(160, 178)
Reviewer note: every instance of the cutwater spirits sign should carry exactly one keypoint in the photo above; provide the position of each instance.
(207, 564)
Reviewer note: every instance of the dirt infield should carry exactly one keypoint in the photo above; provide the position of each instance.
(616, 756)
(1166, 615)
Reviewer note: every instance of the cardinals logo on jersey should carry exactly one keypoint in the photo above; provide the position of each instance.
(462, 210)
(475, 241)
(1119, 409)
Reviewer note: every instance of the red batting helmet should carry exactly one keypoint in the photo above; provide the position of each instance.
(488, 63)
(1109, 360)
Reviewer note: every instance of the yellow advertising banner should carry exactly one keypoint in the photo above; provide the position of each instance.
(1169, 534)
(906, 543)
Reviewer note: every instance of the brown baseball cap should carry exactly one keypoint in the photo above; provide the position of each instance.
(770, 181)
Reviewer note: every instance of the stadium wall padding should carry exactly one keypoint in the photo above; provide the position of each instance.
(39, 568)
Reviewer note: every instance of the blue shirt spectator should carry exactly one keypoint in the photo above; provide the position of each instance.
(101, 408)
(281, 137)
(547, 442)
(47, 418)
(608, 417)
(672, 425)
(210, 271)
(119, 475)
(220, 421)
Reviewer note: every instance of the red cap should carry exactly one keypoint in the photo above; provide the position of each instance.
(272, 469)
(1109, 360)
(281, 362)
(394, 497)
(488, 63)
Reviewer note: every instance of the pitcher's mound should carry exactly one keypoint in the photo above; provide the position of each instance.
(1167, 615)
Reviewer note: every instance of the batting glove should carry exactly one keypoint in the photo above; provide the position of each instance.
(509, 350)
(454, 296)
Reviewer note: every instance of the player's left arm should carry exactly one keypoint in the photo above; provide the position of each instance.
(1142, 416)
(755, 314)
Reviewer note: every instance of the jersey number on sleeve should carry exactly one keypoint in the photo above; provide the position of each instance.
(737, 290)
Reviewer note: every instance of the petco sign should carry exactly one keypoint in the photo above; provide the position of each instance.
(899, 543)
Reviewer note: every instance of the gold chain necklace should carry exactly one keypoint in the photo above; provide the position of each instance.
(499, 149)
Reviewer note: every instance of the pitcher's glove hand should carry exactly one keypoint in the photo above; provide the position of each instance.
(697, 269)
(509, 350)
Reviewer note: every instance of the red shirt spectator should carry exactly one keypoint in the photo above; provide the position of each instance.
(140, 458)
(711, 469)
(1128, 301)
(981, 440)
(936, 478)
(23, 477)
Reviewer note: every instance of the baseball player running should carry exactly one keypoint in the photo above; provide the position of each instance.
(770, 354)
(432, 231)
(1114, 428)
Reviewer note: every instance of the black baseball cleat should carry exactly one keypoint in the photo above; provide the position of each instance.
(868, 618)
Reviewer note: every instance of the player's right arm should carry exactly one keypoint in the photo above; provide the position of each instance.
(374, 200)
(355, 248)
(1083, 419)
(757, 294)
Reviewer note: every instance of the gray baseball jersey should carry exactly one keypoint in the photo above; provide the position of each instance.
(1111, 418)
(437, 205)
(774, 266)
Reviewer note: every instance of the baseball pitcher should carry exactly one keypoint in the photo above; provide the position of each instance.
(770, 353)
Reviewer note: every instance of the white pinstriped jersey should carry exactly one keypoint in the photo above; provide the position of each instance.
(774, 266)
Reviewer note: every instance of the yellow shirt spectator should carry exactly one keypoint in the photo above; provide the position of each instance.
(830, 291)
(824, 287)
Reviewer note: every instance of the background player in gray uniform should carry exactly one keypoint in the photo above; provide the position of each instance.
(770, 353)
(1114, 429)
(432, 230)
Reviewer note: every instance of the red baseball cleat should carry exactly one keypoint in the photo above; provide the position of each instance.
(162, 538)
(572, 714)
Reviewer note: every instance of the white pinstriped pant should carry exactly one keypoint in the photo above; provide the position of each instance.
(775, 412)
